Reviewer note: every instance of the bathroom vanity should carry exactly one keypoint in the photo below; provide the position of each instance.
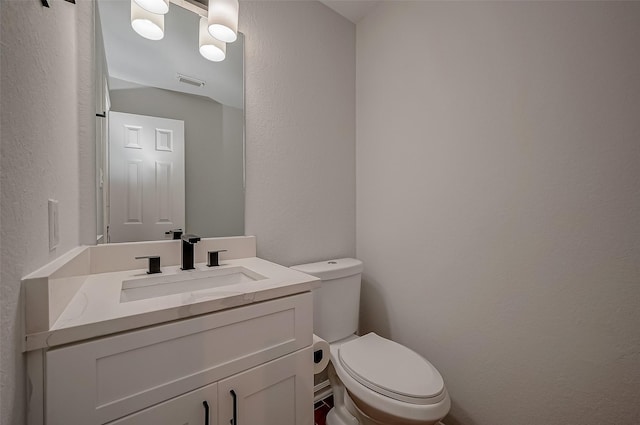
(108, 344)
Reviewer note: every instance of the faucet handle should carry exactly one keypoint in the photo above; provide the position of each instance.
(212, 257)
(175, 233)
(154, 263)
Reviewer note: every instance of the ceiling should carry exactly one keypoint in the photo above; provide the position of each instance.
(353, 10)
(134, 59)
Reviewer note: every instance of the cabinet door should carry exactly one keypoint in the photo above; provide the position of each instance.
(199, 407)
(276, 393)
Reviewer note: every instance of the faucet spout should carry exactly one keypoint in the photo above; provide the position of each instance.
(188, 241)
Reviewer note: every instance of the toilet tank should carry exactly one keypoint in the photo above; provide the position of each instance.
(336, 304)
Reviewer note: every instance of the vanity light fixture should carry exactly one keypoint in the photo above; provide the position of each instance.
(210, 47)
(159, 7)
(148, 25)
(218, 27)
(223, 19)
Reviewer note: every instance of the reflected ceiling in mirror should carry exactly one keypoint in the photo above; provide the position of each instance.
(167, 79)
(158, 63)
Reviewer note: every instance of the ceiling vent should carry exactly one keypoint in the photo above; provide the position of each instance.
(190, 80)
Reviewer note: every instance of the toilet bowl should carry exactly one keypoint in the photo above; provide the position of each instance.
(375, 381)
(385, 383)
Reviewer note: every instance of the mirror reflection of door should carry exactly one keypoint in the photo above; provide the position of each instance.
(146, 173)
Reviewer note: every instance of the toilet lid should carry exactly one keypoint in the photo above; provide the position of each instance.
(391, 369)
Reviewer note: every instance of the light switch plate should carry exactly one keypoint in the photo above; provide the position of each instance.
(54, 228)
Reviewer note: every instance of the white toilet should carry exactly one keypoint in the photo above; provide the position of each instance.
(386, 383)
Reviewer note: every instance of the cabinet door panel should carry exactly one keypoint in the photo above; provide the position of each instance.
(187, 409)
(277, 393)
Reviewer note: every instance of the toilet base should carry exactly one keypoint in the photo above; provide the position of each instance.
(347, 412)
(339, 414)
(333, 418)
(367, 415)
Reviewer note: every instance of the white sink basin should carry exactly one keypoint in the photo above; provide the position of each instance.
(185, 281)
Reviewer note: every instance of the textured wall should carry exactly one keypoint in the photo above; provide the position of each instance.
(300, 130)
(46, 110)
(498, 202)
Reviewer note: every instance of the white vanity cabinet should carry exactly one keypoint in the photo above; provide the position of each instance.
(164, 374)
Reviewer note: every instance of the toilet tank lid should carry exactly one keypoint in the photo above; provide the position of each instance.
(331, 269)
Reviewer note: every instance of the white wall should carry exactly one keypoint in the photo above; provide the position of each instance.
(300, 129)
(47, 132)
(498, 202)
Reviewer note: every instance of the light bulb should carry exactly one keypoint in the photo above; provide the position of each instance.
(223, 19)
(211, 48)
(148, 25)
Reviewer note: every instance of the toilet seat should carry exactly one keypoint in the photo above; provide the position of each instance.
(391, 369)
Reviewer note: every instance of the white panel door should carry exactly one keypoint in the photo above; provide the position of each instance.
(276, 393)
(146, 176)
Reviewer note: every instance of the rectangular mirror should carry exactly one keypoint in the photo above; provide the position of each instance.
(169, 129)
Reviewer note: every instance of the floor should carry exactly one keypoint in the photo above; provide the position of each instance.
(321, 408)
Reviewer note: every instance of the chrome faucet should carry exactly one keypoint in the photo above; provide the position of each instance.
(188, 241)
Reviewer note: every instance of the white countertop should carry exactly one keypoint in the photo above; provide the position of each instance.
(96, 309)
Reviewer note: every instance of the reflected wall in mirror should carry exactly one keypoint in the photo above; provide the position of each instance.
(169, 129)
